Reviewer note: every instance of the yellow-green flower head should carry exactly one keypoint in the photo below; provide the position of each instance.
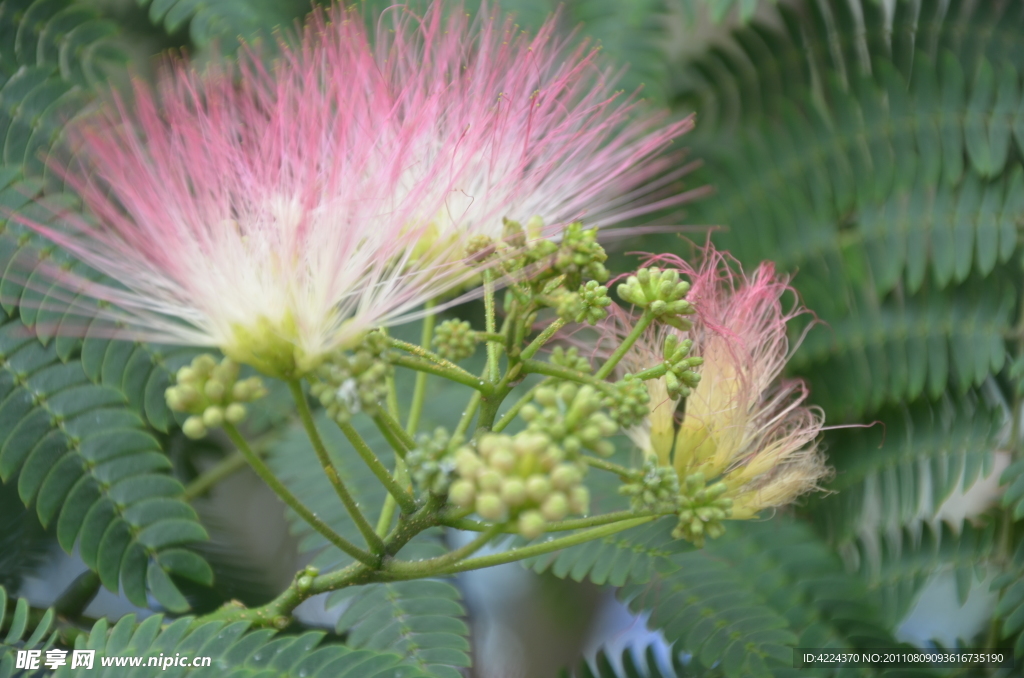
(741, 424)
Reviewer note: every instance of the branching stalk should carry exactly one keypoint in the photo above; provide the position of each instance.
(492, 345)
(374, 541)
(541, 339)
(404, 499)
(613, 360)
(435, 570)
(265, 474)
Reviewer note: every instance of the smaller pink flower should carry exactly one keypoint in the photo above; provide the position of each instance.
(743, 423)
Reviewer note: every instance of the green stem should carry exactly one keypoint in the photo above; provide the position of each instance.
(278, 612)
(492, 346)
(613, 360)
(620, 471)
(419, 391)
(423, 353)
(457, 375)
(426, 568)
(542, 339)
(404, 499)
(387, 512)
(76, 597)
(264, 472)
(467, 415)
(560, 526)
(396, 436)
(374, 541)
(491, 336)
(213, 475)
(652, 372)
(507, 418)
(512, 555)
(559, 372)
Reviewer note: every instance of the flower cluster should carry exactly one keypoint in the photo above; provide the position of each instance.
(743, 428)
(353, 381)
(526, 477)
(454, 340)
(212, 393)
(572, 416)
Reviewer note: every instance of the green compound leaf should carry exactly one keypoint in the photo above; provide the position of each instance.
(21, 628)
(420, 620)
(635, 662)
(895, 567)
(1010, 608)
(904, 468)
(23, 542)
(222, 23)
(880, 163)
(234, 652)
(92, 471)
(748, 598)
(626, 557)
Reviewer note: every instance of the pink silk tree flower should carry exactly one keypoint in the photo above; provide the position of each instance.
(280, 212)
(742, 423)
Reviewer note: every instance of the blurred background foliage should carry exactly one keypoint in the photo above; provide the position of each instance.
(873, 150)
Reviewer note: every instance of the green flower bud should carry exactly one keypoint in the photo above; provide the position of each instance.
(570, 359)
(565, 476)
(235, 413)
(489, 480)
(214, 390)
(490, 506)
(538, 487)
(213, 416)
(555, 507)
(467, 463)
(579, 500)
(203, 364)
(513, 492)
(174, 400)
(186, 375)
(503, 461)
(531, 524)
(194, 427)
(462, 493)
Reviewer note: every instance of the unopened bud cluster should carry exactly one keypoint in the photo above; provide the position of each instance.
(629, 404)
(579, 256)
(212, 393)
(679, 376)
(430, 463)
(455, 340)
(589, 304)
(571, 416)
(353, 382)
(660, 291)
(657, 489)
(525, 478)
(572, 261)
(570, 359)
(702, 508)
